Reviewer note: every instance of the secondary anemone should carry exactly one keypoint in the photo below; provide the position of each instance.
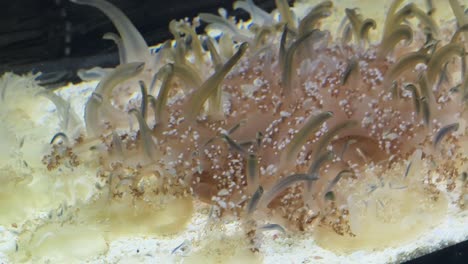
(279, 117)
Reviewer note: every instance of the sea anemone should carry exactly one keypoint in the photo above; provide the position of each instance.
(355, 137)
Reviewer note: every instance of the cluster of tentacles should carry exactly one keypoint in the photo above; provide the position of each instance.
(277, 115)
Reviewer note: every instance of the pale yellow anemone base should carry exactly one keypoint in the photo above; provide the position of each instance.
(88, 229)
(386, 218)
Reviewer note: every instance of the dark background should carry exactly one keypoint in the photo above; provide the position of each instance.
(58, 37)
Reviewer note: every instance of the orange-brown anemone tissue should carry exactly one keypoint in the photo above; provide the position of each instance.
(315, 119)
